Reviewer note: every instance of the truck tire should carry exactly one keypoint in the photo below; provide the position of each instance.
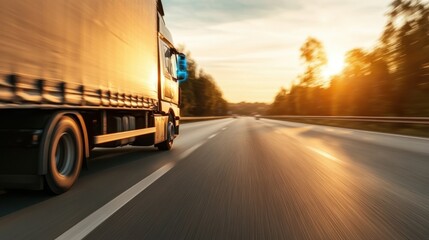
(168, 144)
(65, 156)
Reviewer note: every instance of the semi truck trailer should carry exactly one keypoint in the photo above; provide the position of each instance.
(76, 75)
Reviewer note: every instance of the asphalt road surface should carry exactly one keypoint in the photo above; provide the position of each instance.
(239, 179)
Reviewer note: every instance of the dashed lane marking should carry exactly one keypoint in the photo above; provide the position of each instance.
(212, 136)
(188, 152)
(87, 225)
(324, 154)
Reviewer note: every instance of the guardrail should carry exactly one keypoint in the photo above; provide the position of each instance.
(197, 119)
(400, 120)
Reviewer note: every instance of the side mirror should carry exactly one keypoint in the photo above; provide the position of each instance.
(182, 68)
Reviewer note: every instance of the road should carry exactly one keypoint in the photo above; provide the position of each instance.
(239, 179)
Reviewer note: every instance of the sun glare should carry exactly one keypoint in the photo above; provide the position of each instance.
(335, 65)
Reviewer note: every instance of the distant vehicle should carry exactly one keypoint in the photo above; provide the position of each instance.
(234, 116)
(257, 116)
(85, 75)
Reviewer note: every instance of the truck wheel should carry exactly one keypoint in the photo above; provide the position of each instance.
(168, 144)
(65, 156)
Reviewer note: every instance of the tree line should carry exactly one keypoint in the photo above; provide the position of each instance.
(200, 96)
(248, 108)
(392, 79)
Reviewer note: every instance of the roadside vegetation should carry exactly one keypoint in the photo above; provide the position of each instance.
(248, 109)
(390, 80)
(200, 94)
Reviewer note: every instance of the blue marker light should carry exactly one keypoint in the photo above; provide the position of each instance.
(182, 68)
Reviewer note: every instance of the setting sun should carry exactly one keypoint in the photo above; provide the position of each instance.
(335, 65)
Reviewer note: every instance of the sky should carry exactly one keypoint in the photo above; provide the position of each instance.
(251, 47)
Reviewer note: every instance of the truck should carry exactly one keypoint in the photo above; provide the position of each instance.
(76, 75)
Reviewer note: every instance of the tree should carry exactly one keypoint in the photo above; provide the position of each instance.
(391, 79)
(314, 57)
(200, 94)
(381, 85)
(280, 103)
(405, 43)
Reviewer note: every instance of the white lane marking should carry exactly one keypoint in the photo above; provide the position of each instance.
(212, 136)
(324, 154)
(88, 224)
(188, 152)
(223, 129)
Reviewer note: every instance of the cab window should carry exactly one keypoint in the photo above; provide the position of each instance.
(170, 61)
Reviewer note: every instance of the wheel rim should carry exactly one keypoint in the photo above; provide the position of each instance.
(170, 132)
(65, 154)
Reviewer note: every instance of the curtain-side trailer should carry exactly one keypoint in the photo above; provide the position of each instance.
(75, 75)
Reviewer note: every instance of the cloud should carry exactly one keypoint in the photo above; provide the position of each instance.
(213, 12)
(252, 47)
